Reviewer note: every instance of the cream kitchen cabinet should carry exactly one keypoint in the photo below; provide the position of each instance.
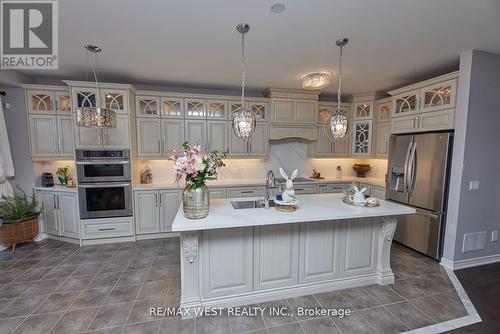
(217, 136)
(382, 139)
(363, 110)
(294, 111)
(48, 100)
(439, 120)
(118, 137)
(405, 103)
(215, 193)
(196, 133)
(362, 138)
(156, 138)
(155, 210)
(260, 108)
(51, 137)
(235, 192)
(325, 147)
(257, 146)
(60, 215)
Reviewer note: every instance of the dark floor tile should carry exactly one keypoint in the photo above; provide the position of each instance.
(437, 311)
(109, 248)
(43, 288)
(410, 315)
(213, 325)
(51, 261)
(14, 290)
(9, 276)
(383, 321)
(123, 293)
(103, 280)
(165, 261)
(5, 302)
(60, 272)
(123, 256)
(140, 262)
(319, 326)
(245, 323)
(453, 301)
(91, 298)
(272, 319)
(75, 321)
(141, 310)
(331, 300)
(111, 315)
(57, 302)
(407, 289)
(64, 252)
(383, 294)
(159, 274)
(144, 328)
(114, 266)
(24, 264)
(22, 307)
(177, 325)
(293, 328)
(153, 289)
(7, 326)
(354, 324)
(33, 275)
(301, 304)
(76, 283)
(37, 324)
(88, 269)
(358, 298)
(133, 277)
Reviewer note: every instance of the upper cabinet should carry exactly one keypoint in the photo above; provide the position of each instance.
(49, 101)
(362, 138)
(324, 146)
(147, 106)
(425, 106)
(172, 107)
(382, 131)
(363, 110)
(294, 111)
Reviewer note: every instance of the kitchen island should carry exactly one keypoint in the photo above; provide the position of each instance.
(245, 256)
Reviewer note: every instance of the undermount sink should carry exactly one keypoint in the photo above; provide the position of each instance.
(252, 204)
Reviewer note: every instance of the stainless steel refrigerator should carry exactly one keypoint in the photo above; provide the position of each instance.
(417, 175)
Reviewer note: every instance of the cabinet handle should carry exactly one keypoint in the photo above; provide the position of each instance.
(299, 189)
(159, 146)
(159, 200)
(60, 145)
(55, 199)
(106, 229)
(54, 146)
(247, 192)
(156, 200)
(104, 138)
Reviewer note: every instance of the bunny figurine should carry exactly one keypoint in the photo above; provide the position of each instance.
(289, 193)
(359, 197)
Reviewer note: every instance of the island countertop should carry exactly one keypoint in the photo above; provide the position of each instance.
(317, 207)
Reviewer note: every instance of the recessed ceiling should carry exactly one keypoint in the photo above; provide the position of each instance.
(195, 43)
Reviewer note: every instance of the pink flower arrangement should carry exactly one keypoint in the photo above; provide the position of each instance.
(196, 166)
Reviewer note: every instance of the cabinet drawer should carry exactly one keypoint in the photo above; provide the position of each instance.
(106, 228)
(305, 189)
(439, 120)
(217, 193)
(404, 124)
(246, 192)
(336, 188)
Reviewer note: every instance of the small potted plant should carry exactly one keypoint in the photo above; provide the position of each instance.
(18, 218)
(63, 175)
(197, 168)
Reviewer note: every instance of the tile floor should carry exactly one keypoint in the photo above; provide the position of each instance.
(56, 287)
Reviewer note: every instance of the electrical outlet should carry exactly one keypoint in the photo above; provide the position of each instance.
(473, 185)
(494, 236)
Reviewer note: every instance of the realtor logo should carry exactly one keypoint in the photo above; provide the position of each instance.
(29, 34)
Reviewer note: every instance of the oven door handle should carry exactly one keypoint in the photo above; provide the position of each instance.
(107, 185)
(103, 162)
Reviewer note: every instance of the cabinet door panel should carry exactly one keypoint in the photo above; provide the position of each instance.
(66, 139)
(360, 247)
(363, 110)
(170, 201)
(382, 142)
(342, 148)
(439, 96)
(63, 103)
(404, 124)
(148, 137)
(43, 136)
(439, 120)
(195, 108)
(229, 261)
(237, 146)
(259, 142)
(384, 112)
(172, 107)
(146, 212)
(118, 137)
(306, 111)
(361, 145)
(70, 224)
(217, 136)
(405, 103)
(217, 109)
(87, 137)
(50, 213)
(260, 109)
(40, 102)
(276, 259)
(172, 131)
(378, 192)
(283, 111)
(215, 193)
(196, 133)
(115, 100)
(147, 106)
(318, 244)
(323, 146)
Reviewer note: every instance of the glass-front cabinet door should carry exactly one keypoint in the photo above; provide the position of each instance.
(362, 137)
(85, 98)
(147, 106)
(405, 103)
(63, 103)
(260, 109)
(114, 100)
(172, 107)
(363, 110)
(41, 102)
(324, 113)
(384, 112)
(217, 109)
(194, 108)
(439, 96)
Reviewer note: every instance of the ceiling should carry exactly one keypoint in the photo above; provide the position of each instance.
(194, 42)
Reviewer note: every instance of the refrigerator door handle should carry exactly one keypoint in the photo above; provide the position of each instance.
(427, 214)
(412, 169)
(406, 172)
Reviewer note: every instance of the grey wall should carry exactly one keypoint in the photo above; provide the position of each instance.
(17, 130)
(476, 156)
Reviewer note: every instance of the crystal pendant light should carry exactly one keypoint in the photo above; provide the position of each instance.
(244, 119)
(95, 116)
(338, 123)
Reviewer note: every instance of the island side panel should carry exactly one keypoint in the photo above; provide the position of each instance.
(190, 271)
(384, 271)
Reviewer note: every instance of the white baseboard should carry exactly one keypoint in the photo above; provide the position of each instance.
(468, 263)
(157, 236)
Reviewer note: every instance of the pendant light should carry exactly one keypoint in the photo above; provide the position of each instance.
(338, 124)
(95, 116)
(244, 119)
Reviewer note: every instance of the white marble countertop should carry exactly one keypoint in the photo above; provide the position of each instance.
(317, 207)
(57, 187)
(379, 182)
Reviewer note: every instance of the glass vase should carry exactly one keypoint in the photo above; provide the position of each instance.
(63, 180)
(195, 202)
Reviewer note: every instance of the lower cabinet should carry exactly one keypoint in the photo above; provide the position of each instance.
(246, 192)
(215, 193)
(360, 245)
(60, 215)
(155, 210)
(107, 228)
(374, 191)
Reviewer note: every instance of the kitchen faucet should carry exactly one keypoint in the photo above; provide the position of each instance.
(269, 177)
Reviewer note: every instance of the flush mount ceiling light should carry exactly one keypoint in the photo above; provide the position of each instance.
(316, 80)
(244, 119)
(337, 125)
(277, 8)
(94, 116)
